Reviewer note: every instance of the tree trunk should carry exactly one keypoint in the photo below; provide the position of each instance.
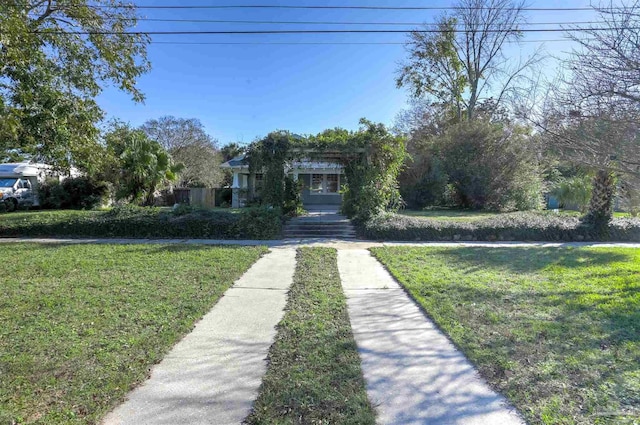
(601, 204)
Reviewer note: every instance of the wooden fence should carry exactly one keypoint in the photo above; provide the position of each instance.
(196, 196)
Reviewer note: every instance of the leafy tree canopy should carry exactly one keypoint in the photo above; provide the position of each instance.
(137, 165)
(464, 61)
(55, 58)
(189, 144)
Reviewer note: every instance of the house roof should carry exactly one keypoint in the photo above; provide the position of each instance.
(240, 162)
(237, 162)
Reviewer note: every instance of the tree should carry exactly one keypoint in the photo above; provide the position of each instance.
(463, 61)
(422, 180)
(232, 150)
(55, 57)
(490, 165)
(139, 166)
(595, 119)
(189, 144)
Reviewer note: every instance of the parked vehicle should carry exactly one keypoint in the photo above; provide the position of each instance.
(19, 183)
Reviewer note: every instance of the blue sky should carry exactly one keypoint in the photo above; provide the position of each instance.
(240, 92)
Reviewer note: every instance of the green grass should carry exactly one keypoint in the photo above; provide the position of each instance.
(314, 374)
(81, 325)
(557, 330)
(449, 215)
(474, 215)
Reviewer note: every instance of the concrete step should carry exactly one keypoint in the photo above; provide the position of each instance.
(320, 235)
(350, 237)
(333, 226)
(322, 228)
(316, 221)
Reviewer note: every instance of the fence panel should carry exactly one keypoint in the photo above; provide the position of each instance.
(202, 197)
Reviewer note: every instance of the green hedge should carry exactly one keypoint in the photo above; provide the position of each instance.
(135, 222)
(520, 226)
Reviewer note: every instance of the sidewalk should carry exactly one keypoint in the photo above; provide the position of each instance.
(414, 374)
(213, 374)
(330, 243)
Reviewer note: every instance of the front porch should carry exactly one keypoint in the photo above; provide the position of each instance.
(322, 182)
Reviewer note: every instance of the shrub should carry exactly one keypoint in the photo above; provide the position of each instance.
(630, 191)
(292, 197)
(127, 221)
(490, 166)
(74, 192)
(223, 196)
(423, 183)
(260, 223)
(573, 191)
(520, 226)
(181, 209)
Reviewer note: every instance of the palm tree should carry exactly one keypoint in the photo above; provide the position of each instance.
(145, 167)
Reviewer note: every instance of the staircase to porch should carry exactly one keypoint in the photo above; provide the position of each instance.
(322, 222)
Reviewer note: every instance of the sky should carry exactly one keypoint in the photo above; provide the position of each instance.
(243, 91)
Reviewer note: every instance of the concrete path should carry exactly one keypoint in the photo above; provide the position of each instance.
(212, 376)
(414, 374)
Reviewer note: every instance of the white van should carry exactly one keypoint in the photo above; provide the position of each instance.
(19, 183)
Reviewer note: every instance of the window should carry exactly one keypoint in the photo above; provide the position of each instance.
(317, 183)
(324, 184)
(332, 183)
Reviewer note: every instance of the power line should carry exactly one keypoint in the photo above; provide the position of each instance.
(543, 30)
(328, 43)
(223, 21)
(273, 6)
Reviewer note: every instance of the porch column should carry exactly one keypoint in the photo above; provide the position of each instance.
(235, 190)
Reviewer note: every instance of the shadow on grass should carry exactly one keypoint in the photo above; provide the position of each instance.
(528, 260)
(540, 323)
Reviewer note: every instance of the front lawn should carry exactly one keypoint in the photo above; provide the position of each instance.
(557, 330)
(449, 214)
(314, 374)
(81, 325)
(459, 215)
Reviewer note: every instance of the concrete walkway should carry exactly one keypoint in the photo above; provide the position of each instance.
(212, 376)
(414, 374)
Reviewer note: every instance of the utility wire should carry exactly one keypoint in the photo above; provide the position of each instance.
(309, 31)
(223, 21)
(273, 6)
(304, 43)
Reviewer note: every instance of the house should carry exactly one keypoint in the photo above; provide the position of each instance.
(322, 180)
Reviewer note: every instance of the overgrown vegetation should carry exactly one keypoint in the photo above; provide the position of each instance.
(518, 226)
(188, 144)
(573, 191)
(136, 222)
(372, 158)
(554, 329)
(314, 374)
(136, 165)
(74, 192)
(81, 325)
